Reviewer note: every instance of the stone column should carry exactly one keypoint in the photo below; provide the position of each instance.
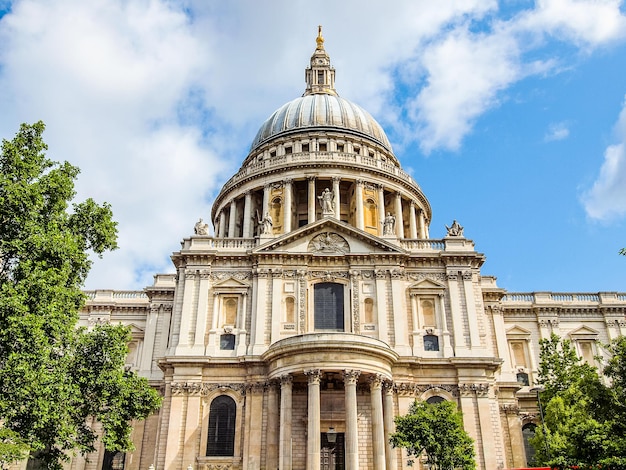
(381, 208)
(358, 195)
(232, 219)
(145, 362)
(472, 316)
(422, 229)
(447, 346)
(222, 224)
(273, 430)
(286, 382)
(378, 431)
(187, 312)
(350, 378)
(337, 201)
(399, 219)
(287, 209)
(313, 445)
(457, 315)
(202, 313)
(413, 220)
(312, 199)
(247, 215)
(266, 199)
(390, 426)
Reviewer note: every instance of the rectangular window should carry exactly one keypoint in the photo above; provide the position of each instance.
(328, 309)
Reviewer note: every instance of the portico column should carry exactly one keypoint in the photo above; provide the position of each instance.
(381, 208)
(247, 215)
(399, 220)
(312, 199)
(231, 219)
(378, 431)
(222, 226)
(422, 230)
(313, 445)
(286, 382)
(360, 223)
(266, 199)
(350, 378)
(273, 431)
(337, 207)
(287, 206)
(413, 220)
(390, 452)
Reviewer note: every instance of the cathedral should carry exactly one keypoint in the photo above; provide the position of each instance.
(318, 309)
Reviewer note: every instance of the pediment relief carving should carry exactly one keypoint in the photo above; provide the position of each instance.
(427, 284)
(329, 236)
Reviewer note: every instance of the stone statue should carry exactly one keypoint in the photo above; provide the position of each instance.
(201, 228)
(389, 224)
(326, 201)
(265, 223)
(456, 230)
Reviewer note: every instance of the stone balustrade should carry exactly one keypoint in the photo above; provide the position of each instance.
(359, 161)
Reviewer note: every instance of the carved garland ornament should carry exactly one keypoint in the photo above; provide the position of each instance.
(197, 388)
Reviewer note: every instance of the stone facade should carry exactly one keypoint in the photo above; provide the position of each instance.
(321, 309)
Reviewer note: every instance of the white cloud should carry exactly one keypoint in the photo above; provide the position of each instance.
(465, 73)
(606, 200)
(557, 131)
(157, 101)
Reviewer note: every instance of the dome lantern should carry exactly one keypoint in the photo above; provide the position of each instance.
(320, 76)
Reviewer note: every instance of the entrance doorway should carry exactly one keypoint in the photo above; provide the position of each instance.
(333, 455)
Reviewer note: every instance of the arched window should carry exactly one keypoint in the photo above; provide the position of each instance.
(528, 432)
(435, 399)
(328, 306)
(221, 440)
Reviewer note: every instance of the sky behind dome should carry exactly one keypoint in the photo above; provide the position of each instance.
(510, 115)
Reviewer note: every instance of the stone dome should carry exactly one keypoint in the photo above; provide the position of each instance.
(320, 111)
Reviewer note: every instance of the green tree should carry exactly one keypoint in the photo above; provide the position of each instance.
(54, 376)
(435, 430)
(583, 417)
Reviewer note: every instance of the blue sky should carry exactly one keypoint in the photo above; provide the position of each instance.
(510, 115)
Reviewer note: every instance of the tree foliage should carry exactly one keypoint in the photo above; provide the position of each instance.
(54, 377)
(435, 430)
(583, 416)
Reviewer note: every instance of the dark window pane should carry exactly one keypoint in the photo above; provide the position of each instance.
(329, 306)
(434, 400)
(528, 432)
(522, 378)
(221, 440)
(431, 343)
(113, 460)
(227, 342)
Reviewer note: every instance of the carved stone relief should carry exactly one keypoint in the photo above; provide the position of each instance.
(328, 242)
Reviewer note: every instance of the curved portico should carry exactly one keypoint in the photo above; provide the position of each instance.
(330, 364)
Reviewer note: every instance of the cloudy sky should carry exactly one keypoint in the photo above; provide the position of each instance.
(511, 115)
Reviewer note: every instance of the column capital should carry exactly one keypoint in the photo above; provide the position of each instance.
(336, 179)
(375, 381)
(351, 377)
(311, 178)
(360, 182)
(314, 375)
(388, 387)
(288, 181)
(286, 379)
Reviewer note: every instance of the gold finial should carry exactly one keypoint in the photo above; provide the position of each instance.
(320, 38)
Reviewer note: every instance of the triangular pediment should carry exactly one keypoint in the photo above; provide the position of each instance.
(517, 332)
(584, 332)
(427, 284)
(229, 283)
(135, 331)
(329, 237)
